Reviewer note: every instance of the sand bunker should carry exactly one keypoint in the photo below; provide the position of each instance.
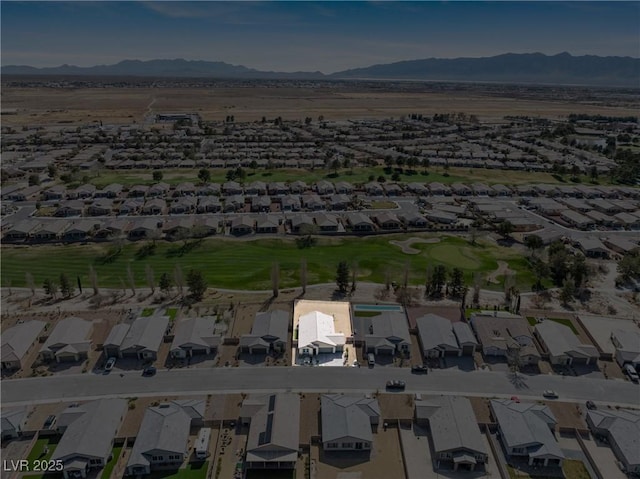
(503, 269)
(405, 245)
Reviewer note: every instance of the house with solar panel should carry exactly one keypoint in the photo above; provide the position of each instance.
(274, 430)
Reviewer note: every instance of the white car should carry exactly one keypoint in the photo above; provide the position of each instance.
(550, 394)
(111, 362)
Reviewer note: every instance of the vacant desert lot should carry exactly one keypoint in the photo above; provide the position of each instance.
(124, 105)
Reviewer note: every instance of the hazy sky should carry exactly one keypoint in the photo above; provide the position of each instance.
(309, 36)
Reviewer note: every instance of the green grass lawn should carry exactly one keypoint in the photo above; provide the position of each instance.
(38, 448)
(572, 468)
(108, 469)
(192, 471)
(172, 312)
(246, 265)
(355, 175)
(566, 322)
(147, 312)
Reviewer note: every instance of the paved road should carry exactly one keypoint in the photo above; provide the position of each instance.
(320, 379)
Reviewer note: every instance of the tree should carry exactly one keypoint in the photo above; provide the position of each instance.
(204, 175)
(629, 265)
(307, 240)
(438, 280)
(275, 279)
(50, 288)
(303, 274)
(196, 284)
(567, 291)
(157, 176)
(151, 281)
(354, 274)
(66, 287)
(34, 179)
(476, 290)
(166, 283)
(456, 285)
(335, 166)
(579, 271)
(28, 279)
(52, 171)
(533, 243)
(505, 228)
(342, 277)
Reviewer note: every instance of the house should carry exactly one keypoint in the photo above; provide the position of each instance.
(13, 422)
(418, 188)
(141, 340)
(339, 202)
(22, 230)
(507, 336)
(388, 221)
(327, 222)
(80, 230)
(455, 435)
(70, 340)
(211, 189)
(416, 221)
(242, 225)
(344, 188)
(563, 345)
(113, 227)
(300, 223)
(269, 332)
(231, 188)
(277, 188)
(274, 430)
(110, 191)
(298, 187)
(256, 188)
(100, 207)
(313, 202)
(526, 432)
(360, 222)
(386, 333)
(392, 189)
(146, 228)
(317, 334)
(348, 422)
(178, 228)
(438, 189)
(131, 206)
(162, 441)
(70, 208)
(436, 337)
(88, 431)
(460, 189)
(138, 191)
(195, 336)
(208, 204)
(627, 344)
(439, 216)
(261, 204)
(82, 192)
(324, 187)
(183, 205)
(592, 247)
(185, 189)
(56, 192)
(290, 203)
(234, 203)
(577, 220)
(621, 428)
(620, 244)
(374, 188)
(155, 206)
(159, 190)
(267, 224)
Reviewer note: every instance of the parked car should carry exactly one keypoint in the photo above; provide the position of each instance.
(149, 371)
(111, 362)
(420, 369)
(396, 385)
(515, 399)
(550, 394)
(631, 372)
(371, 360)
(591, 405)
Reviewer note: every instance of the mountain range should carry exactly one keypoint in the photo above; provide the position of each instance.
(534, 68)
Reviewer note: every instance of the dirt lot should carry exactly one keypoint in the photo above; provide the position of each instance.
(309, 417)
(124, 105)
(567, 415)
(384, 461)
(396, 406)
(481, 409)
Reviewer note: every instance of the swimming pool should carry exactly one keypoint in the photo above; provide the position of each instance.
(377, 307)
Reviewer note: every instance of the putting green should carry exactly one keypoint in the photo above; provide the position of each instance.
(454, 256)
